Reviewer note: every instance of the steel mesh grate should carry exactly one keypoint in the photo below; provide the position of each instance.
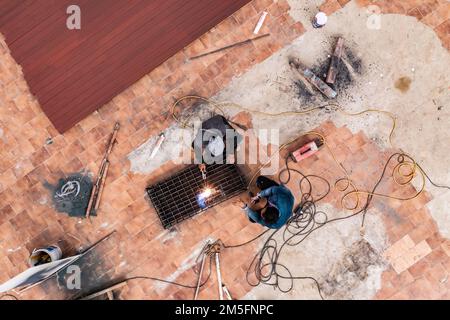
(176, 198)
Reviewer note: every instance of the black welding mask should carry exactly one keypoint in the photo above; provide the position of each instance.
(215, 141)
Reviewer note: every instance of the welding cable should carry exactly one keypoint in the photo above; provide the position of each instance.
(431, 181)
(226, 246)
(297, 229)
(184, 124)
(178, 284)
(265, 267)
(208, 250)
(272, 271)
(220, 108)
(346, 184)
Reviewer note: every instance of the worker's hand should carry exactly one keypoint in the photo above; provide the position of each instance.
(255, 200)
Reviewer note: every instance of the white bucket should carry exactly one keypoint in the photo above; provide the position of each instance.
(45, 255)
(320, 20)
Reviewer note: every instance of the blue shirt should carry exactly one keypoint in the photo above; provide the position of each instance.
(282, 199)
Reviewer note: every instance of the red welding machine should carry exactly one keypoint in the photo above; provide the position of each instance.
(307, 150)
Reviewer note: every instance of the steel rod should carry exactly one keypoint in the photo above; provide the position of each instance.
(230, 46)
(219, 276)
(200, 277)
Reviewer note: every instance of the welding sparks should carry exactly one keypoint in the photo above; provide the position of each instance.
(203, 196)
(206, 193)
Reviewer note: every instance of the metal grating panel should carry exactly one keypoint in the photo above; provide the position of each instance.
(176, 199)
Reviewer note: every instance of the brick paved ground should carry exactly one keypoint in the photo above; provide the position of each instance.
(420, 256)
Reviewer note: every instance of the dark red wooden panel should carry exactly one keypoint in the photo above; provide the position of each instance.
(74, 72)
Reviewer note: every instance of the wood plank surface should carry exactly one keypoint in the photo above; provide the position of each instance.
(74, 72)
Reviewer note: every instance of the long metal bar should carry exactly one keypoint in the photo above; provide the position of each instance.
(200, 277)
(102, 186)
(219, 276)
(107, 290)
(230, 46)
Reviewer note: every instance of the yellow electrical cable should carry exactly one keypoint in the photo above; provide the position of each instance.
(397, 174)
(219, 106)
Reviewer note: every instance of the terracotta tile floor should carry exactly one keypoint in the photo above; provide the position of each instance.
(137, 248)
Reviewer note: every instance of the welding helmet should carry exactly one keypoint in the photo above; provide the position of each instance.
(211, 145)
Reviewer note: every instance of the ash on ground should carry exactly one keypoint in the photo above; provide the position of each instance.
(349, 67)
(357, 265)
(71, 194)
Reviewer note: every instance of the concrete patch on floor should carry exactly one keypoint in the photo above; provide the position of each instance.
(304, 11)
(273, 87)
(170, 150)
(177, 140)
(357, 275)
(168, 235)
(440, 208)
(323, 256)
(402, 70)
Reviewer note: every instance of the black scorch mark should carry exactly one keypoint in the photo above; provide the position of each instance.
(71, 194)
(349, 68)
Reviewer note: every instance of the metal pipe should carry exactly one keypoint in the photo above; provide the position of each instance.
(219, 276)
(260, 22)
(102, 186)
(230, 46)
(157, 145)
(200, 277)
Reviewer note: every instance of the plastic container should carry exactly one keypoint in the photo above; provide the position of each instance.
(320, 20)
(45, 255)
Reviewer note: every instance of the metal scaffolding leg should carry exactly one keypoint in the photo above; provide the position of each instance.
(219, 276)
(227, 293)
(200, 277)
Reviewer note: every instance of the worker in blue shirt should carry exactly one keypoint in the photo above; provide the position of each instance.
(278, 208)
